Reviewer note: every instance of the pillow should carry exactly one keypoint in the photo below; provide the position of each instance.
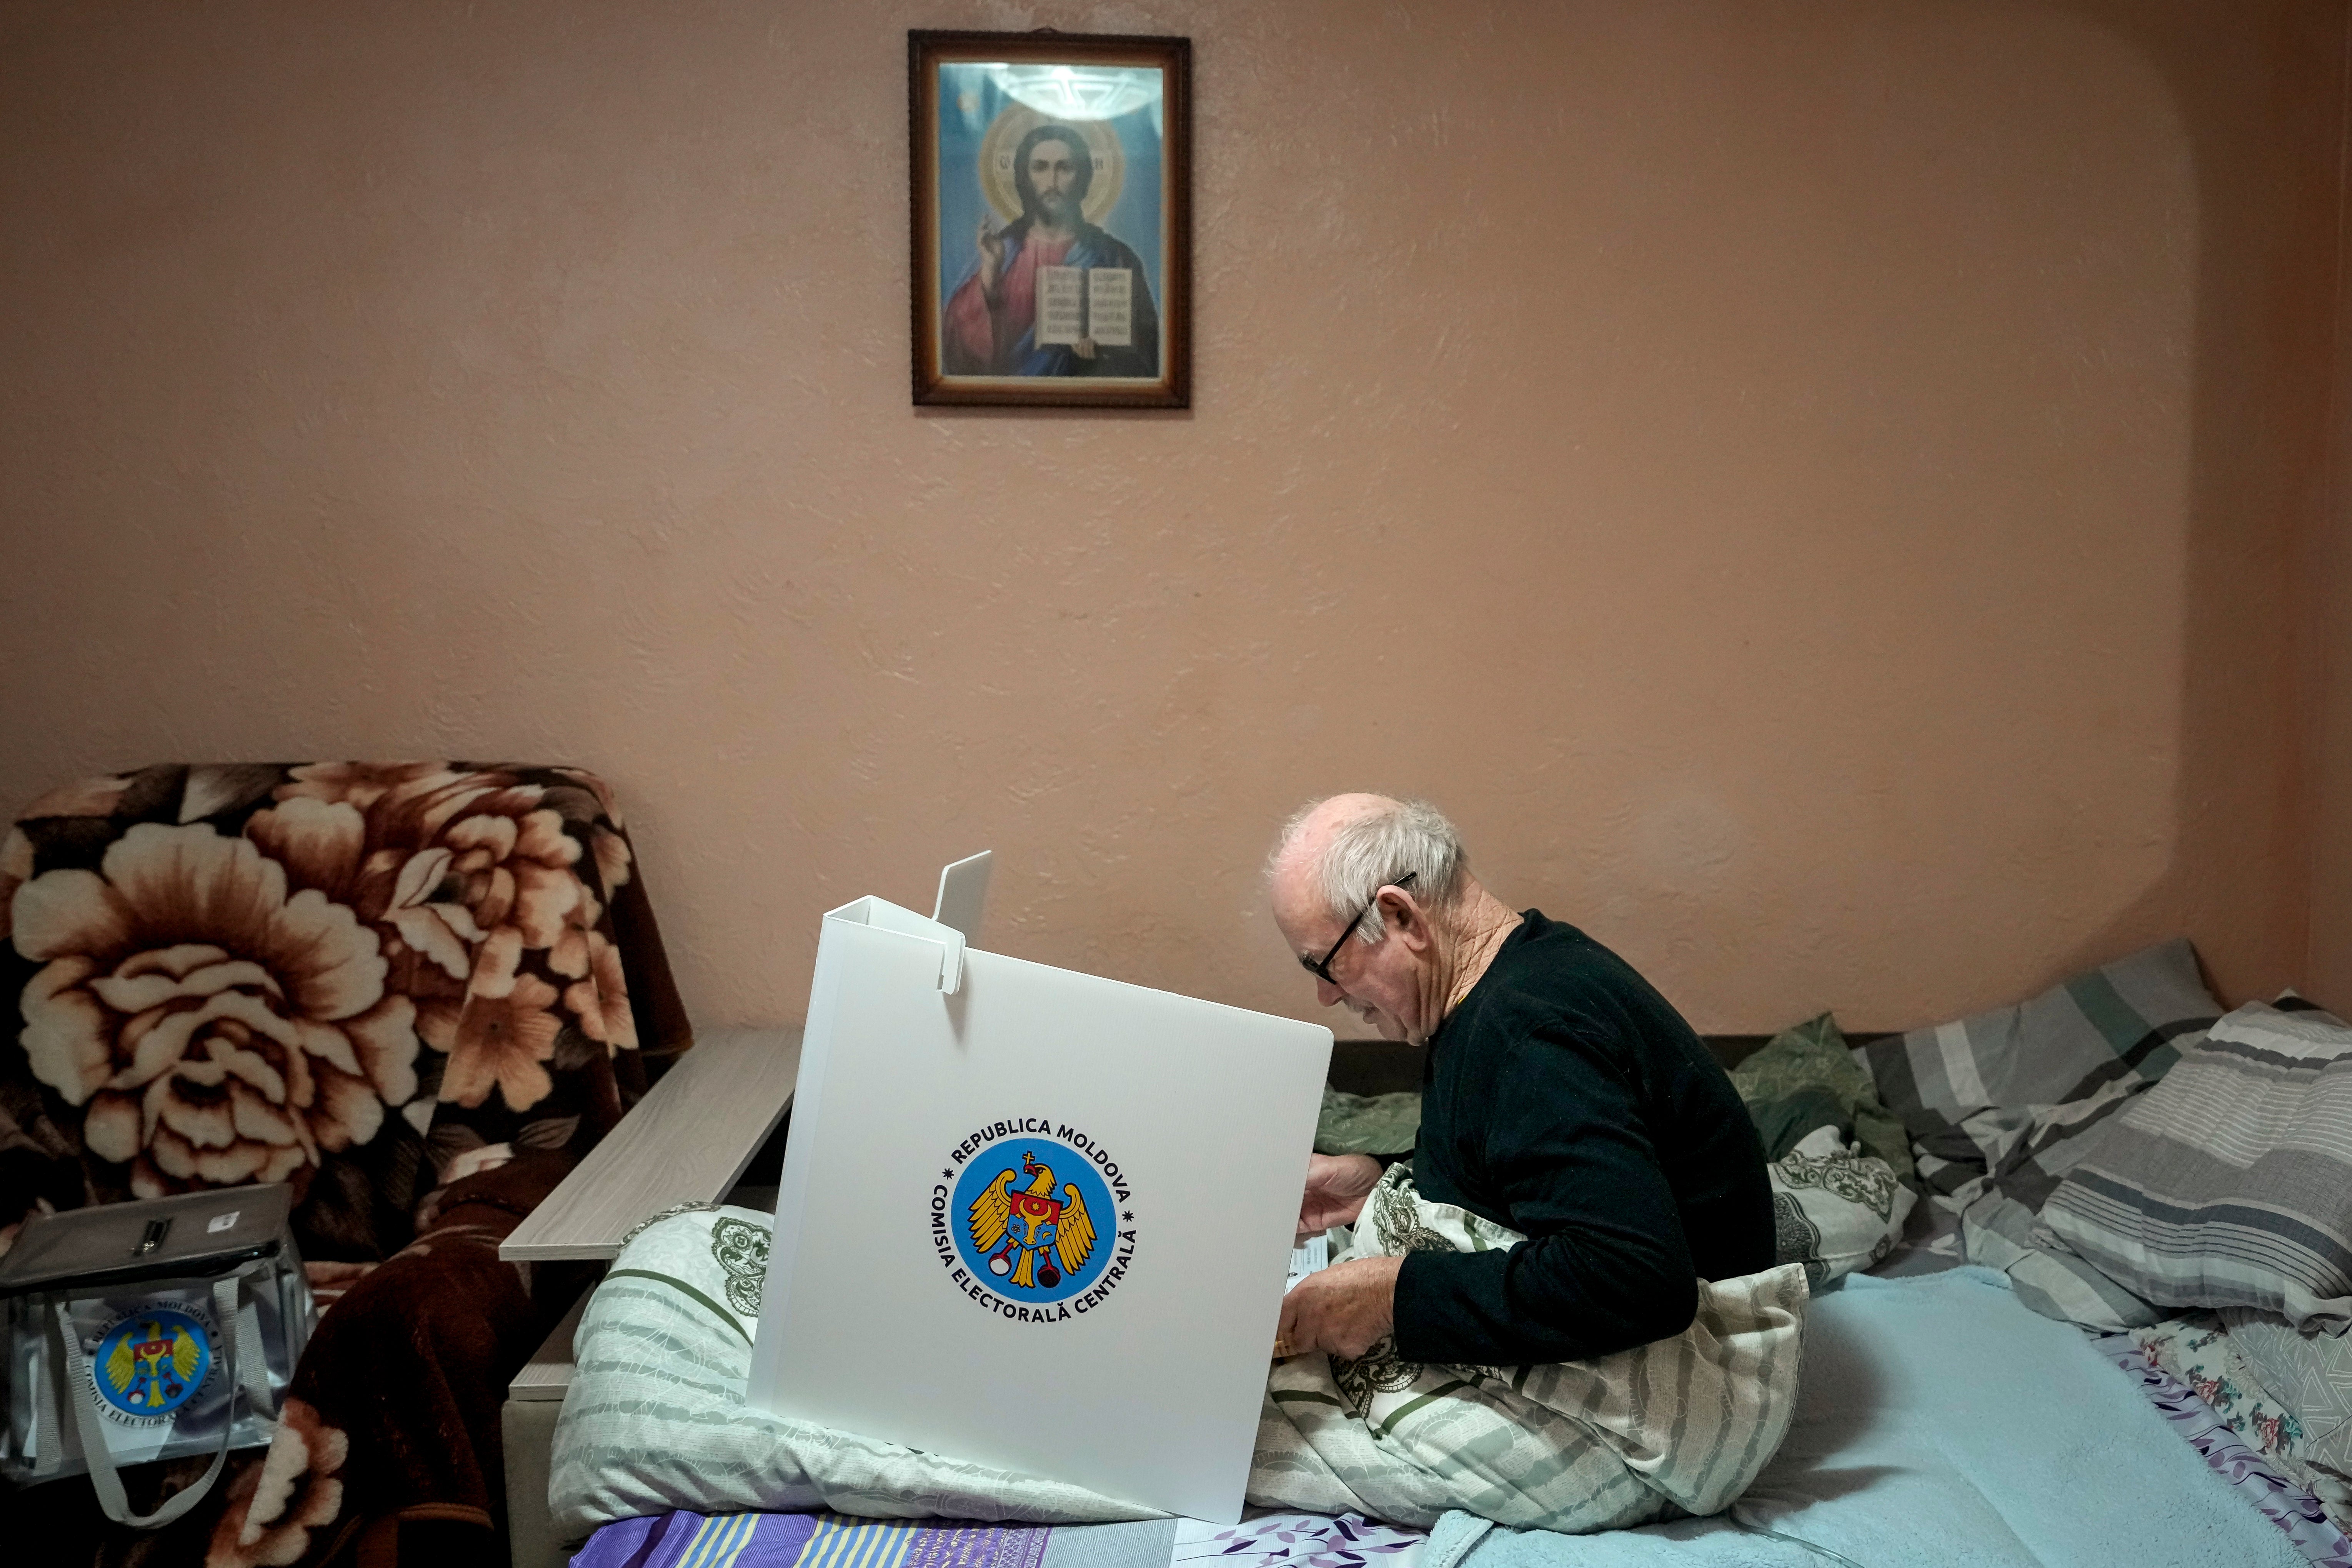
(2230, 1183)
(1834, 1209)
(2131, 1019)
(1807, 1078)
(1368, 1124)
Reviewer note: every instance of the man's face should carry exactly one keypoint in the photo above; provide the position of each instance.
(1379, 983)
(1053, 175)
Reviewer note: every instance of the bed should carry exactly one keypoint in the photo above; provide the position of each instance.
(1980, 1393)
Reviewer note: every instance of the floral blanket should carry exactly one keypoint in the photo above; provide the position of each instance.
(2261, 1478)
(2284, 1394)
(415, 992)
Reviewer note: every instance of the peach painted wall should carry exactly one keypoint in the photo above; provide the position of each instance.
(1813, 488)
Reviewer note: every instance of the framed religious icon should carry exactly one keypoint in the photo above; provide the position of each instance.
(1051, 219)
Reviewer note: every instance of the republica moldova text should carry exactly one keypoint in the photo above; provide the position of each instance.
(1015, 1126)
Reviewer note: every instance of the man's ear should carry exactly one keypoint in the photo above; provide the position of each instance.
(1406, 918)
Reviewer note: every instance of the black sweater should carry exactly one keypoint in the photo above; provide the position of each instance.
(1566, 1100)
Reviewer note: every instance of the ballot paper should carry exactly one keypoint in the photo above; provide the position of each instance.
(1032, 1218)
(1310, 1257)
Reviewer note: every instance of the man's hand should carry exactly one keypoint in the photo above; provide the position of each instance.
(1084, 348)
(1336, 1186)
(991, 241)
(1344, 1310)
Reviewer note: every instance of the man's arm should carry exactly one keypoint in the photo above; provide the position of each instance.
(1605, 1266)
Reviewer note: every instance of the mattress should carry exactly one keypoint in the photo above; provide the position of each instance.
(1939, 1422)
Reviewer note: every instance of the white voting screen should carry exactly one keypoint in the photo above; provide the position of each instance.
(1039, 1220)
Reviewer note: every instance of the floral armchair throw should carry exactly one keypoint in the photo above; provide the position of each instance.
(349, 976)
(418, 992)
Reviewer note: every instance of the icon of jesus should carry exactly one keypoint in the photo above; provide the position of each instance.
(1052, 254)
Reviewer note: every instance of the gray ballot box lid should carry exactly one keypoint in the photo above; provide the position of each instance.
(153, 1238)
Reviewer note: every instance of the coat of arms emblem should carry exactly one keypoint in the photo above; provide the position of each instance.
(152, 1363)
(1030, 1234)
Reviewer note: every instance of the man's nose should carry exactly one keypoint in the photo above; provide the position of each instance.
(1329, 995)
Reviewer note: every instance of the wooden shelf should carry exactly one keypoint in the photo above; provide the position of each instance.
(686, 1143)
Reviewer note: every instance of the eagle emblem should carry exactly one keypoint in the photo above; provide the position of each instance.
(156, 1361)
(1028, 1235)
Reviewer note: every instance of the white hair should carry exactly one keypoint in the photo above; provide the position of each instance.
(1378, 847)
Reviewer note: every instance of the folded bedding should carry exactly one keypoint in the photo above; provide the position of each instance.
(2286, 1395)
(655, 1419)
(2003, 1105)
(2233, 1439)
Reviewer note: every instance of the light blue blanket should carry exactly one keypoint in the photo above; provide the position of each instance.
(1939, 1422)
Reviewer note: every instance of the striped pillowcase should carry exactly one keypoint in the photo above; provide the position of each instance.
(2229, 1183)
(2109, 1024)
(2104, 1033)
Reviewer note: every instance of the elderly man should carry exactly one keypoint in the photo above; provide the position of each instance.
(1562, 1096)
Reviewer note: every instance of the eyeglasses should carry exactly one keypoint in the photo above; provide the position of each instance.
(1321, 967)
